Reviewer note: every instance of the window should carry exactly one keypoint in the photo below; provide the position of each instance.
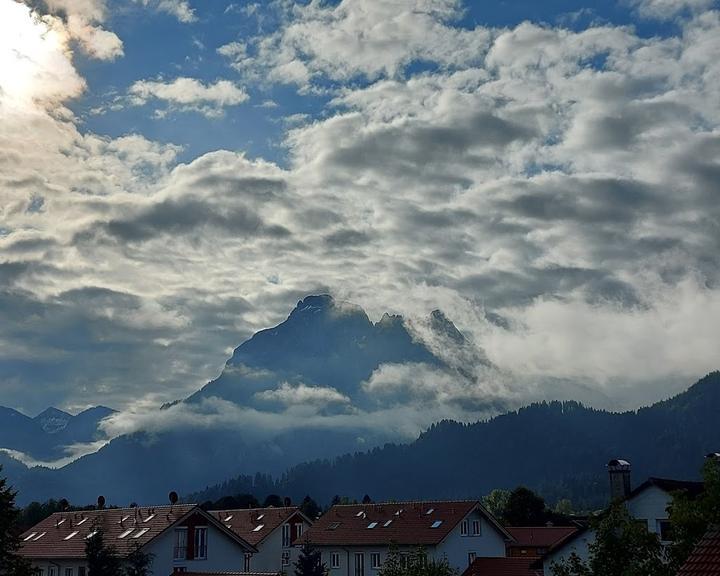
(69, 572)
(141, 532)
(39, 536)
(375, 560)
(436, 524)
(82, 521)
(334, 526)
(335, 560)
(247, 562)
(286, 535)
(476, 528)
(149, 518)
(81, 571)
(665, 530)
(261, 517)
(286, 558)
(58, 524)
(30, 537)
(228, 518)
(123, 519)
(51, 571)
(387, 523)
(70, 535)
(430, 511)
(471, 557)
(201, 543)
(258, 527)
(126, 533)
(372, 524)
(91, 534)
(464, 528)
(180, 550)
(642, 522)
(298, 530)
(359, 564)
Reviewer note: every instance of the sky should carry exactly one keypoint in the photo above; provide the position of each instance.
(176, 174)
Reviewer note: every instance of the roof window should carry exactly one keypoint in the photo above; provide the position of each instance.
(261, 516)
(372, 524)
(334, 526)
(149, 517)
(258, 527)
(82, 521)
(60, 522)
(123, 519)
(141, 532)
(228, 518)
(91, 534)
(39, 536)
(361, 513)
(430, 511)
(436, 524)
(29, 537)
(126, 533)
(399, 512)
(387, 523)
(71, 535)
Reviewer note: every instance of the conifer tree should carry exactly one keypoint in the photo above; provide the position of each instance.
(309, 562)
(11, 563)
(102, 559)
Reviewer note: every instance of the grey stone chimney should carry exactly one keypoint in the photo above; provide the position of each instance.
(619, 471)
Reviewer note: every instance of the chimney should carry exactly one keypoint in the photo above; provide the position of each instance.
(619, 471)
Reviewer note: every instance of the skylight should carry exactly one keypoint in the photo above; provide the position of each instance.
(228, 518)
(334, 526)
(387, 523)
(399, 512)
(71, 535)
(91, 534)
(261, 516)
(39, 536)
(60, 522)
(258, 528)
(123, 519)
(430, 511)
(436, 524)
(149, 518)
(372, 524)
(82, 522)
(126, 533)
(361, 513)
(30, 537)
(141, 532)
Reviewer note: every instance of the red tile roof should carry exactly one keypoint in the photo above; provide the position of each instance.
(540, 537)
(245, 522)
(64, 534)
(228, 573)
(503, 567)
(705, 558)
(403, 523)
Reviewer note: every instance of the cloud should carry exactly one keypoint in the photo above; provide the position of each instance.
(180, 9)
(289, 395)
(188, 94)
(554, 192)
(666, 9)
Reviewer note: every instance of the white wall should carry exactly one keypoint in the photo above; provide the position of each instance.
(579, 545)
(455, 548)
(268, 558)
(347, 554)
(651, 505)
(223, 554)
(59, 566)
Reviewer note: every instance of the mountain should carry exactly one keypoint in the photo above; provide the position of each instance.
(557, 448)
(284, 381)
(322, 343)
(47, 436)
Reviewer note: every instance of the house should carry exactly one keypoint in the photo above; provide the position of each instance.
(179, 537)
(704, 560)
(647, 503)
(355, 539)
(503, 567)
(272, 531)
(535, 541)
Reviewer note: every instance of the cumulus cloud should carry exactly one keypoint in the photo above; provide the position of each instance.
(188, 94)
(554, 192)
(665, 9)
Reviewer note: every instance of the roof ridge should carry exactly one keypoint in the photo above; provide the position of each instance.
(466, 501)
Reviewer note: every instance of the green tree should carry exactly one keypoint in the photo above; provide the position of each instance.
(139, 562)
(563, 507)
(309, 562)
(690, 517)
(310, 508)
(11, 563)
(622, 547)
(524, 508)
(496, 502)
(102, 559)
(415, 563)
